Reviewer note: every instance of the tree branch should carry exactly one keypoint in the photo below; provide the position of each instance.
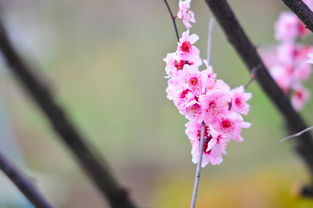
(248, 53)
(173, 19)
(90, 161)
(302, 11)
(23, 183)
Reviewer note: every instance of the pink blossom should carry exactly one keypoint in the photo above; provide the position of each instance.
(201, 97)
(185, 14)
(193, 130)
(214, 145)
(211, 155)
(288, 27)
(208, 77)
(191, 79)
(173, 64)
(230, 126)
(299, 97)
(214, 103)
(287, 53)
(303, 71)
(192, 110)
(239, 100)
(185, 49)
(283, 76)
(291, 66)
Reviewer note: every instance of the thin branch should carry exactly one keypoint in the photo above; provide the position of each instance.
(202, 139)
(302, 11)
(295, 135)
(248, 53)
(210, 32)
(198, 170)
(23, 183)
(90, 161)
(252, 76)
(173, 19)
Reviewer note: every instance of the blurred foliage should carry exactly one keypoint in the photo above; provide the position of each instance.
(257, 189)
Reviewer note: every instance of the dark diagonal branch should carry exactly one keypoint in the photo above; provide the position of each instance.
(173, 19)
(248, 53)
(302, 11)
(89, 160)
(23, 183)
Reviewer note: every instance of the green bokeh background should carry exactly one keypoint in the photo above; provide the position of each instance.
(103, 59)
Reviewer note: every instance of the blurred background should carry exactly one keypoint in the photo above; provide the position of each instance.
(103, 59)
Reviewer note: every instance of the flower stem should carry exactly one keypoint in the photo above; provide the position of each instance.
(173, 19)
(198, 170)
(210, 32)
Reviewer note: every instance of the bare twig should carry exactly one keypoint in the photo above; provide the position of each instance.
(210, 32)
(244, 47)
(252, 76)
(90, 161)
(198, 170)
(202, 139)
(23, 183)
(295, 135)
(302, 11)
(173, 19)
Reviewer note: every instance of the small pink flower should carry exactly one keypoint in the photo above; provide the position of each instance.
(288, 27)
(185, 49)
(282, 76)
(299, 97)
(214, 103)
(239, 100)
(208, 77)
(214, 145)
(230, 126)
(191, 79)
(185, 14)
(192, 110)
(287, 52)
(213, 150)
(193, 130)
(173, 64)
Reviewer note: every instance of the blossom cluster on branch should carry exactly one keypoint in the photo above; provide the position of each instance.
(287, 62)
(201, 97)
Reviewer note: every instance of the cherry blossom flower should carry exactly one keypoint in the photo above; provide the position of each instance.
(213, 151)
(288, 27)
(288, 63)
(201, 97)
(185, 49)
(185, 14)
(299, 97)
(239, 100)
(214, 145)
(173, 64)
(230, 126)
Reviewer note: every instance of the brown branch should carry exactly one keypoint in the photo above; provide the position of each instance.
(302, 11)
(173, 19)
(23, 183)
(90, 161)
(248, 53)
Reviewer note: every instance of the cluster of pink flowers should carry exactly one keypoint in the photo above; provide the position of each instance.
(201, 97)
(288, 61)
